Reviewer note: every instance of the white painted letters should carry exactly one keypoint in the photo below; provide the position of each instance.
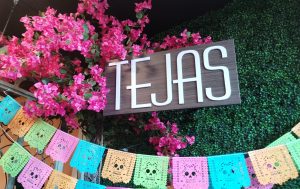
(181, 80)
(190, 77)
(169, 84)
(118, 82)
(223, 68)
(134, 86)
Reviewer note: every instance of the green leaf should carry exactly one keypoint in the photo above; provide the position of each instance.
(63, 71)
(85, 36)
(87, 96)
(139, 15)
(127, 28)
(92, 82)
(3, 50)
(95, 37)
(86, 32)
(36, 35)
(45, 81)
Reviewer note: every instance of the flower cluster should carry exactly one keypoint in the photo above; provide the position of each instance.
(64, 56)
(167, 141)
(186, 39)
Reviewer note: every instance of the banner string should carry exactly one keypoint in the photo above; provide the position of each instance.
(9, 17)
(10, 138)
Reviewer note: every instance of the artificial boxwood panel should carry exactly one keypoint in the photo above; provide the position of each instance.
(267, 40)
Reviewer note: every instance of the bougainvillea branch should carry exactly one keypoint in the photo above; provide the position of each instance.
(64, 56)
(167, 141)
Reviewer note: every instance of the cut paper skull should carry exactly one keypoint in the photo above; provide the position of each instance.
(60, 180)
(87, 157)
(8, 109)
(190, 172)
(21, 123)
(35, 174)
(254, 182)
(118, 166)
(61, 146)
(40, 134)
(273, 165)
(14, 160)
(228, 171)
(151, 171)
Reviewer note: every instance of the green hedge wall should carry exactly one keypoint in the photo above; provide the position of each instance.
(267, 40)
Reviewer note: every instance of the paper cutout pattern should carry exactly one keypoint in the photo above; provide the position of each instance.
(190, 172)
(61, 146)
(81, 184)
(294, 148)
(118, 166)
(228, 171)
(8, 109)
(35, 174)
(87, 157)
(254, 182)
(151, 171)
(296, 129)
(21, 123)
(40, 134)
(61, 181)
(273, 165)
(286, 138)
(14, 160)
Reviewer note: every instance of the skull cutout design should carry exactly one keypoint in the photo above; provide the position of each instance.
(40, 134)
(190, 173)
(151, 171)
(272, 164)
(87, 157)
(61, 181)
(14, 160)
(35, 174)
(61, 146)
(8, 109)
(229, 171)
(118, 166)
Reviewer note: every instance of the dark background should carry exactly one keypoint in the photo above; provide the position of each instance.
(165, 13)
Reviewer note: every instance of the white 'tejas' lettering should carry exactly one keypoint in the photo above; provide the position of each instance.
(169, 84)
(182, 80)
(118, 82)
(134, 86)
(223, 68)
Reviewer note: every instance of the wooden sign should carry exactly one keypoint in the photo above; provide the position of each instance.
(190, 77)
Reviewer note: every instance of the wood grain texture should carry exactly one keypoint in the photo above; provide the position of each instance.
(154, 72)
